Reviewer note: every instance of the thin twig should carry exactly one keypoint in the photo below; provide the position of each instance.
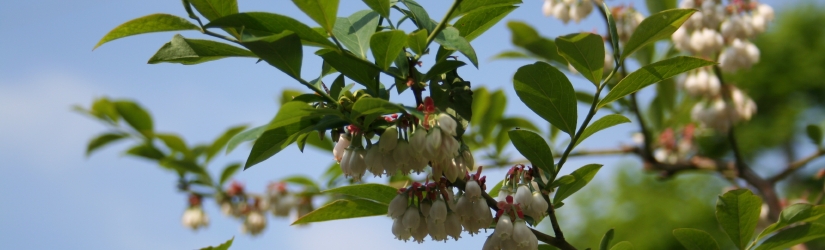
(793, 166)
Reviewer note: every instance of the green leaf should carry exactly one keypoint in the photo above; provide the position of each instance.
(793, 214)
(386, 46)
(145, 151)
(148, 24)
(466, 7)
(224, 246)
(103, 140)
(476, 23)
(583, 176)
(266, 24)
(354, 32)
(293, 119)
(442, 67)
(419, 15)
(304, 181)
(651, 74)
(655, 6)
(494, 191)
(656, 27)
(614, 34)
(343, 209)
(814, 132)
(452, 40)
(228, 172)
(417, 41)
(376, 192)
(323, 12)
(221, 141)
(214, 9)
(585, 51)
(546, 91)
(174, 142)
(380, 6)
(545, 247)
(249, 135)
(601, 124)
(284, 53)
(695, 239)
(606, 240)
(528, 38)
(793, 236)
(533, 147)
(374, 106)
(738, 212)
(359, 71)
(337, 87)
(563, 180)
(509, 54)
(103, 109)
(136, 116)
(194, 51)
(624, 245)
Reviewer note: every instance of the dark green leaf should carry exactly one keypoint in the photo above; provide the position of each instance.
(174, 142)
(651, 74)
(738, 212)
(337, 87)
(147, 24)
(266, 24)
(194, 51)
(795, 213)
(606, 240)
(451, 40)
(343, 209)
(376, 192)
(315, 140)
(470, 6)
(102, 140)
(442, 67)
(814, 133)
(528, 38)
(419, 15)
(357, 70)
(601, 124)
(546, 91)
(145, 151)
(494, 191)
(656, 27)
(476, 23)
(136, 116)
(214, 9)
(533, 147)
(614, 34)
(374, 106)
(583, 176)
(493, 114)
(695, 239)
(228, 172)
(793, 236)
(380, 6)
(563, 180)
(323, 12)
(354, 32)
(585, 51)
(284, 53)
(221, 141)
(544, 246)
(624, 245)
(656, 6)
(249, 135)
(292, 120)
(417, 41)
(224, 246)
(386, 46)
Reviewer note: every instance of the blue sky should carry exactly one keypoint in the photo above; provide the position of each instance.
(53, 197)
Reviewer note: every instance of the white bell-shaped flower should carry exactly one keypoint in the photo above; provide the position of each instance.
(539, 206)
(418, 141)
(358, 166)
(438, 212)
(523, 196)
(492, 243)
(504, 227)
(346, 161)
(338, 151)
(398, 206)
(399, 231)
(254, 224)
(420, 232)
(453, 225)
(472, 189)
(447, 124)
(373, 160)
(388, 140)
(522, 233)
(437, 231)
(195, 218)
(547, 8)
(562, 12)
(411, 219)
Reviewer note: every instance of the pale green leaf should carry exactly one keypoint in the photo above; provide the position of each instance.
(248, 135)
(103, 140)
(583, 176)
(323, 12)
(194, 51)
(793, 236)
(136, 116)
(386, 46)
(601, 124)
(264, 24)
(452, 40)
(656, 27)
(653, 73)
(343, 209)
(228, 172)
(380, 6)
(371, 191)
(417, 41)
(224, 246)
(374, 106)
(624, 245)
(354, 32)
(148, 24)
(796, 213)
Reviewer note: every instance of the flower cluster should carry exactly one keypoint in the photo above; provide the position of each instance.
(434, 209)
(194, 217)
(721, 32)
(673, 146)
(252, 208)
(519, 182)
(565, 10)
(406, 146)
(511, 231)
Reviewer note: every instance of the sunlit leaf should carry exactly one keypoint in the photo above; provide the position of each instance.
(343, 209)
(148, 24)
